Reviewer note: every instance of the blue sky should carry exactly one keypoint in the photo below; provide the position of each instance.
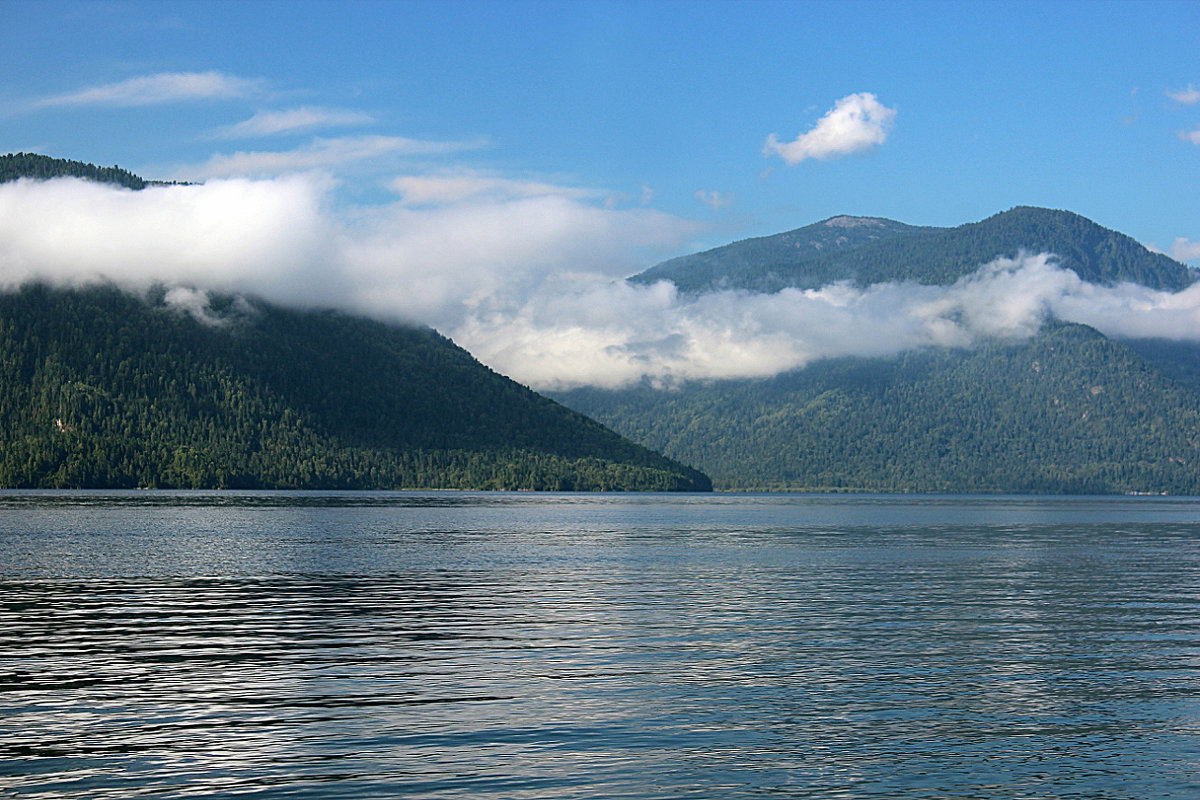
(996, 103)
(546, 138)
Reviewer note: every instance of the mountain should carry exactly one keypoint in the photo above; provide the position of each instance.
(34, 165)
(99, 388)
(763, 264)
(1067, 411)
(865, 250)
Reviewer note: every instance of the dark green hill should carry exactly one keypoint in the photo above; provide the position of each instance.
(924, 255)
(32, 165)
(1066, 412)
(102, 389)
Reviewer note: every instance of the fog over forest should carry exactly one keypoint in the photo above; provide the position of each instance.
(526, 276)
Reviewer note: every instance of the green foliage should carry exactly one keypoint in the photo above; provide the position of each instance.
(923, 255)
(1066, 412)
(101, 389)
(31, 165)
(1179, 361)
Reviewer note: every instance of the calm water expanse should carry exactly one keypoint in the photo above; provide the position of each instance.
(389, 645)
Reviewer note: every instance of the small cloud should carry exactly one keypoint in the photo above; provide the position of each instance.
(271, 123)
(458, 187)
(713, 199)
(856, 123)
(1184, 250)
(1187, 97)
(320, 154)
(647, 195)
(154, 89)
(1190, 136)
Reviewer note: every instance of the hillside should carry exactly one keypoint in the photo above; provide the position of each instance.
(102, 389)
(33, 165)
(922, 255)
(763, 263)
(1066, 412)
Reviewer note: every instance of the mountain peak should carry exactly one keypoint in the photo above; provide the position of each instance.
(854, 222)
(869, 250)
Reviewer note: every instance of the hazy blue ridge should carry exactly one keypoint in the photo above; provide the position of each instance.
(1068, 411)
(877, 250)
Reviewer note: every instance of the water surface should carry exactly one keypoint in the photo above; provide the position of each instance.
(450, 645)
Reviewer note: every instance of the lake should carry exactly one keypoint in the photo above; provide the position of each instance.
(458, 645)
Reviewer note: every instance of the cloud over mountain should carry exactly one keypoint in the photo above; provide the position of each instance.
(528, 279)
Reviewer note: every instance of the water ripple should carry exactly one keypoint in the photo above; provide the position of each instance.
(569, 648)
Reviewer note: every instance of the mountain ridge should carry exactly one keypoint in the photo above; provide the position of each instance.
(928, 255)
(100, 388)
(1068, 411)
(103, 389)
(713, 268)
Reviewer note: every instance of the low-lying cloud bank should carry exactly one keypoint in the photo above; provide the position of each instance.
(609, 334)
(529, 281)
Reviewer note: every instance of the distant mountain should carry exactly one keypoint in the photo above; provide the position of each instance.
(761, 264)
(1068, 411)
(866, 250)
(102, 389)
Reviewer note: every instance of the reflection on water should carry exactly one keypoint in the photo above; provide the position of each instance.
(534, 646)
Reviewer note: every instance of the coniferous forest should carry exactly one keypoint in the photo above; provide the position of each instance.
(99, 388)
(1067, 412)
(104, 389)
(33, 165)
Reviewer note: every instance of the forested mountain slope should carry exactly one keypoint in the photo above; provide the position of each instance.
(34, 165)
(1068, 411)
(922, 255)
(102, 389)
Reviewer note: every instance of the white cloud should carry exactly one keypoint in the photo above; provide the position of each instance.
(1184, 250)
(271, 123)
(1188, 97)
(155, 89)
(856, 123)
(233, 235)
(281, 239)
(462, 185)
(610, 334)
(713, 199)
(1191, 136)
(320, 154)
(532, 285)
